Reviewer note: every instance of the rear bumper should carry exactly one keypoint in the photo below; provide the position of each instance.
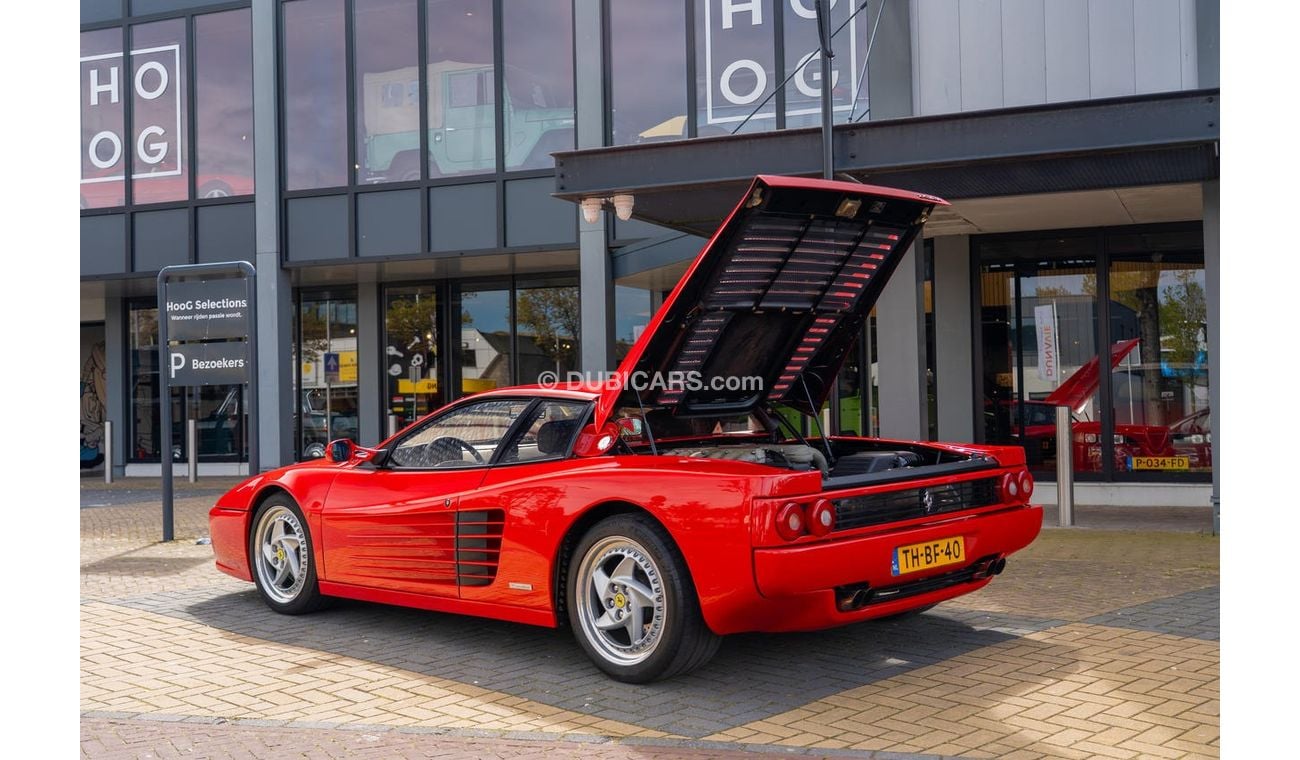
(801, 588)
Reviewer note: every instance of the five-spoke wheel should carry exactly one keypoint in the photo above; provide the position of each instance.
(280, 552)
(632, 604)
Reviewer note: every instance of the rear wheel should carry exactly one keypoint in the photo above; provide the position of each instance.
(280, 550)
(632, 605)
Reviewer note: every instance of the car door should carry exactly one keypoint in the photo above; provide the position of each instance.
(395, 525)
(507, 522)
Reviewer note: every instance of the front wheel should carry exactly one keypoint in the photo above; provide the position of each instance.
(632, 605)
(280, 550)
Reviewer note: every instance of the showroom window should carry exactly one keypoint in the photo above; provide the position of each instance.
(314, 95)
(461, 86)
(537, 112)
(387, 91)
(153, 94)
(647, 66)
(223, 87)
(1132, 366)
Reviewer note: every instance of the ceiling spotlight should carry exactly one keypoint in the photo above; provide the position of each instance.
(623, 205)
(591, 209)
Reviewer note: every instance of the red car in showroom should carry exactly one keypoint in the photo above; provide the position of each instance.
(673, 503)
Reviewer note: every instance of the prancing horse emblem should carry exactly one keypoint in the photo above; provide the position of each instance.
(927, 500)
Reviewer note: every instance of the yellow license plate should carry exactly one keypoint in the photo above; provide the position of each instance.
(1159, 463)
(923, 556)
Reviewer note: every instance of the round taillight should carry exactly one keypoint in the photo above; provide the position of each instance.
(790, 521)
(1010, 487)
(1026, 485)
(821, 518)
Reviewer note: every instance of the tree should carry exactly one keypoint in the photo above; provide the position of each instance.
(552, 316)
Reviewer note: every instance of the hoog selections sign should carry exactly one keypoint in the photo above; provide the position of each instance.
(211, 319)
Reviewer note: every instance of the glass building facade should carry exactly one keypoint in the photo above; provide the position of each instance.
(388, 167)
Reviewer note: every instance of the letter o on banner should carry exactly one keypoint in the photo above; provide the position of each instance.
(724, 83)
(93, 149)
(162, 80)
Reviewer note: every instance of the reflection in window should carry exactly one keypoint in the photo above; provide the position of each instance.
(1161, 387)
(327, 358)
(464, 437)
(315, 98)
(735, 66)
(632, 312)
(485, 346)
(803, 105)
(103, 151)
(548, 324)
(647, 70)
(411, 353)
(158, 113)
(462, 87)
(388, 91)
(223, 86)
(549, 434)
(537, 37)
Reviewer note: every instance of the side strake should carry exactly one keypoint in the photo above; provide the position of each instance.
(771, 305)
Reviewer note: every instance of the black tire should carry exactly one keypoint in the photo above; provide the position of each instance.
(283, 568)
(674, 641)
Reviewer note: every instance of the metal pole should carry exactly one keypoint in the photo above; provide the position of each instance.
(1064, 469)
(828, 117)
(165, 412)
(192, 448)
(393, 425)
(108, 451)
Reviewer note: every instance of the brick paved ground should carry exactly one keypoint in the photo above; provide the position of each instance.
(1096, 642)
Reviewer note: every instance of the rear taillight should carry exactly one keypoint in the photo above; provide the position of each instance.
(1010, 487)
(1026, 485)
(821, 517)
(790, 522)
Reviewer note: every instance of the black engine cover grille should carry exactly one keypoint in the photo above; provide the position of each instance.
(892, 506)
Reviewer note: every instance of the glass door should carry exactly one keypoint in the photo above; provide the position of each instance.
(327, 371)
(1039, 328)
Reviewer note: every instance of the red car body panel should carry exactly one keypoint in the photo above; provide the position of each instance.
(393, 535)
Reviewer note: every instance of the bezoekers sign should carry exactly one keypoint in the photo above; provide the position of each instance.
(155, 81)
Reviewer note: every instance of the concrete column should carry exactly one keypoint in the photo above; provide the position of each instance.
(117, 365)
(595, 279)
(276, 410)
(954, 355)
(370, 335)
(1210, 220)
(900, 350)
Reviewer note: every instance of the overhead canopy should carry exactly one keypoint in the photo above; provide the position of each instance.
(690, 185)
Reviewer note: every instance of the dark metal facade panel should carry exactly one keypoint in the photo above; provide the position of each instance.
(1118, 142)
(388, 223)
(161, 239)
(103, 244)
(533, 217)
(225, 233)
(317, 228)
(463, 217)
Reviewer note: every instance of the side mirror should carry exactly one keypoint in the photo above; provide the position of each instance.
(341, 450)
(345, 450)
(593, 441)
